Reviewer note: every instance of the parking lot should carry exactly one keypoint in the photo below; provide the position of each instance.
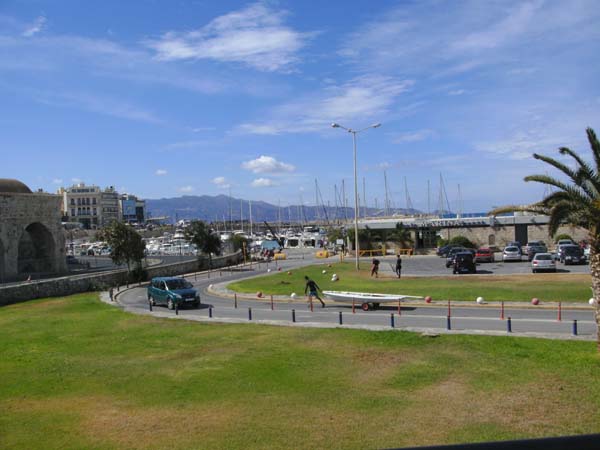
(436, 266)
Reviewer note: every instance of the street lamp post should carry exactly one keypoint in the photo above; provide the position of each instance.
(354, 133)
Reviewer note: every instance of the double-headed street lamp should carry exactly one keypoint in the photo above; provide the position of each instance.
(354, 132)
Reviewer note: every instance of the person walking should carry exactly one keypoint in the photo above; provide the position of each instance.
(399, 266)
(375, 268)
(313, 290)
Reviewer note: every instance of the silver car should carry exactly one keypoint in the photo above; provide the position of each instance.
(511, 253)
(543, 262)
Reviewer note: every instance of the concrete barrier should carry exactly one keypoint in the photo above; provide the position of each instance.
(62, 286)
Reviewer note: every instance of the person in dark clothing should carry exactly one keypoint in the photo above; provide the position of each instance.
(399, 266)
(375, 268)
(313, 290)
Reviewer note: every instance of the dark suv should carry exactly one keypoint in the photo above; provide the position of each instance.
(453, 251)
(464, 263)
(173, 292)
(572, 254)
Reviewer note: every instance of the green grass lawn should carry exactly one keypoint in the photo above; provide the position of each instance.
(76, 373)
(546, 287)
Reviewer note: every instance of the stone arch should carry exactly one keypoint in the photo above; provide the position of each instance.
(492, 239)
(37, 250)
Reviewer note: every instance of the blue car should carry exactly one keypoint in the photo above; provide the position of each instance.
(172, 292)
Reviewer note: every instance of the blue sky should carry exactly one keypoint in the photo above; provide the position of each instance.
(166, 98)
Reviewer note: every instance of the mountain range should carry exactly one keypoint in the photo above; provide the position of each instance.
(223, 208)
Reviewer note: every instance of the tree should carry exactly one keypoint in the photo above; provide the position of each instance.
(462, 241)
(205, 240)
(400, 235)
(126, 244)
(576, 202)
(238, 241)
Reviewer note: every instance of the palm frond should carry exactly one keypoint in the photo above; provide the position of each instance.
(545, 179)
(558, 214)
(595, 145)
(557, 164)
(585, 177)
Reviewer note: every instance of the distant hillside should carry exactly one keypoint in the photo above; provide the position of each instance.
(211, 208)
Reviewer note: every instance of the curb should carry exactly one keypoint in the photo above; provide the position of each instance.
(221, 290)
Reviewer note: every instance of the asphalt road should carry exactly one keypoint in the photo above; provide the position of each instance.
(484, 319)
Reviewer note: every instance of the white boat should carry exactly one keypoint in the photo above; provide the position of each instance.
(367, 300)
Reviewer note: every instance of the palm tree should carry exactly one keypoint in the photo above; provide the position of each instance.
(204, 239)
(401, 236)
(576, 201)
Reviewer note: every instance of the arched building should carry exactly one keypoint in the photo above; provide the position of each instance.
(31, 238)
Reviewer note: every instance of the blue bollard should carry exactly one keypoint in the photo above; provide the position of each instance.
(249, 313)
(509, 325)
(293, 315)
(341, 321)
(575, 327)
(210, 312)
(448, 324)
(392, 320)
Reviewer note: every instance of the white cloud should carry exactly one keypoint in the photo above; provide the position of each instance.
(255, 36)
(96, 103)
(35, 27)
(457, 92)
(221, 182)
(363, 98)
(186, 189)
(161, 172)
(57, 181)
(267, 164)
(413, 136)
(200, 129)
(263, 182)
(454, 37)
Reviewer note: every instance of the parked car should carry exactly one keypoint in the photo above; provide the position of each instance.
(464, 263)
(453, 251)
(543, 262)
(572, 254)
(172, 292)
(565, 242)
(511, 253)
(443, 251)
(484, 254)
(532, 250)
(515, 244)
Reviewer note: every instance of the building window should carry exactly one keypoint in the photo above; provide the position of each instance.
(73, 201)
(94, 211)
(87, 201)
(78, 201)
(94, 201)
(73, 212)
(78, 211)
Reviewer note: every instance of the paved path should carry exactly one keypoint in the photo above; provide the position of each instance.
(416, 316)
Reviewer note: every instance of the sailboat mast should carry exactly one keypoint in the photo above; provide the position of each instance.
(387, 200)
(250, 212)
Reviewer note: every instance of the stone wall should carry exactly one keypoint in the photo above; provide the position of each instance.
(58, 287)
(41, 213)
(480, 236)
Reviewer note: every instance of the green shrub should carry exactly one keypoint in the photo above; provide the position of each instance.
(462, 241)
(562, 236)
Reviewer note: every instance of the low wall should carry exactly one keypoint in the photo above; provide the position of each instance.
(59, 287)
